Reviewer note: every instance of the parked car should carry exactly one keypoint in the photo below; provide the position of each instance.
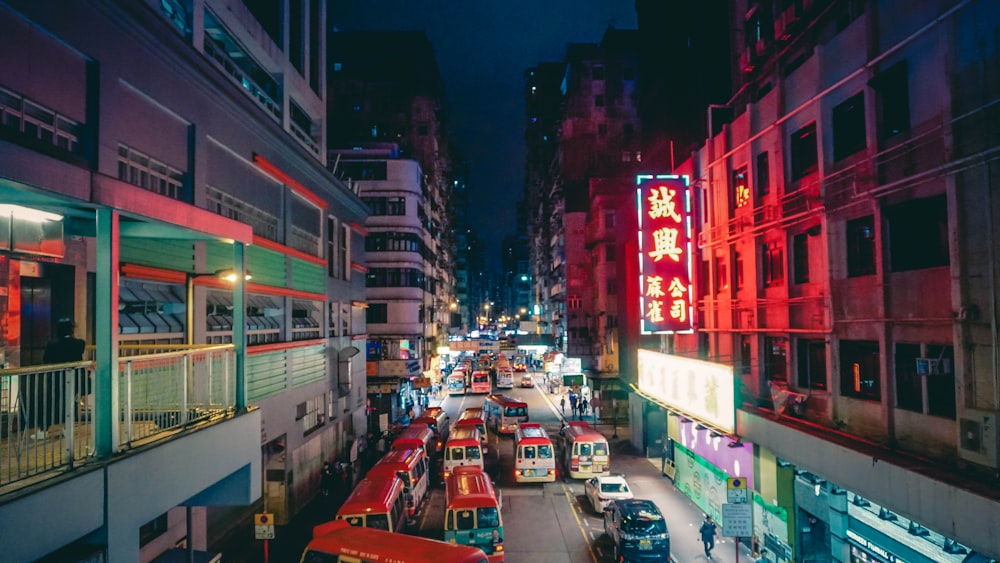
(527, 381)
(637, 531)
(603, 489)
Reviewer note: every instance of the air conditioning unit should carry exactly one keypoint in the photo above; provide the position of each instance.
(978, 439)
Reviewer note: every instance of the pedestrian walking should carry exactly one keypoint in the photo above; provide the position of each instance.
(572, 402)
(761, 557)
(708, 531)
(562, 404)
(327, 479)
(583, 407)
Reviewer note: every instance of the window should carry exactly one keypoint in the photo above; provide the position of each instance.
(628, 130)
(153, 529)
(738, 266)
(599, 100)
(849, 127)
(859, 369)
(773, 265)
(861, 246)
(386, 205)
(345, 252)
(148, 173)
(602, 129)
(609, 252)
(377, 313)
(597, 73)
(311, 413)
(332, 234)
(776, 358)
(763, 175)
(800, 258)
(739, 195)
(334, 309)
(574, 301)
(364, 170)
(931, 389)
(746, 354)
(917, 233)
(395, 277)
(803, 148)
(609, 219)
(811, 355)
(892, 102)
(721, 275)
(612, 286)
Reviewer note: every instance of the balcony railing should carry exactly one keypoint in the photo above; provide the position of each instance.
(48, 416)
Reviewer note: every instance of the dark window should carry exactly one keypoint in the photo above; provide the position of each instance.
(268, 14)
(917, 233)
(892, 102)
(859, 369)
(941, 381)
(609, 252)
(153, 529)
(599, 100)
(773, 259)
(738, 262)
(849, 127)
(376, 170)
(861, 246)
(627, 130)
(612, 287)
(746, 353)
(377, 313)
(721, 274)
(909, 388)
(597, 73)
(296, 35)
(803, 148)
(776, 358)
(812, 363)
(602, 129)
(763, 175)
(800, 258)
(394, 277)
(314, 55)
(331, 248)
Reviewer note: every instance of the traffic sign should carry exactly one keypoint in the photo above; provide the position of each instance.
(737, 520)
(736, 490)
(263, 526)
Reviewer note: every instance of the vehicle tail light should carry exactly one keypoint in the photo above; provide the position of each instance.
(499, 547)
(517, 473)
(574, 463)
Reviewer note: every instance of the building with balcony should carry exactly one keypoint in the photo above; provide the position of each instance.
(844, 277)
(163, 185)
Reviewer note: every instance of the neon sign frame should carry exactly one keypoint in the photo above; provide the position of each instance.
(666, 258)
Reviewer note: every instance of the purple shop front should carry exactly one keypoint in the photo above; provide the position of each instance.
(735, 459)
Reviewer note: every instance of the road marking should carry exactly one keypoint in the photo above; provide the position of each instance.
(573, 508)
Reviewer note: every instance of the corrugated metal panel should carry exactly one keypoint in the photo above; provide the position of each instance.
(309, 364)
(307, 276)
(266, 375)
(267, 266)
(162, 253)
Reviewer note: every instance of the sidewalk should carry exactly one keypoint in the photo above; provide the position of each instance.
(683, 516)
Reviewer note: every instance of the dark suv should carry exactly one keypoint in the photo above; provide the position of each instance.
(637, 531)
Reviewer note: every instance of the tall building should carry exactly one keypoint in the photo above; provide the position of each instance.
(164, 186)
(388, 138)
(844, 282)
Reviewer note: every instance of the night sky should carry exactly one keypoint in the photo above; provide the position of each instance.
(483, 48)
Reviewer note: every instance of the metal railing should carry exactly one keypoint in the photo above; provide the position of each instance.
(48, 414)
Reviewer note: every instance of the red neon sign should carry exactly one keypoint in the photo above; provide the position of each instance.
(665, 254)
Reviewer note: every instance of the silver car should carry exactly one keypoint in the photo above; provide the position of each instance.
(603, 489)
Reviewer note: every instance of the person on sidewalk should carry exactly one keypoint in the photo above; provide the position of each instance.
(761, 557)
(562, 404)
(708, 531)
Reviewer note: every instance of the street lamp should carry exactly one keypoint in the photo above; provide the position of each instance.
(228, 275)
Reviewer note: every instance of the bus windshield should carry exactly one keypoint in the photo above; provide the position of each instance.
(515, 411)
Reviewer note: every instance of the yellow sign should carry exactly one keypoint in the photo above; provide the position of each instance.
(263, 526)
(264, 519)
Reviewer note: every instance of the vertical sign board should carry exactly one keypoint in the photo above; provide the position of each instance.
(737, 520)
(665, 254)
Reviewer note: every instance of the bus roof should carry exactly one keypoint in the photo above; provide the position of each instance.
(506, 400)
(401, 458)
(338, 537)
(413, 435)
(468, 488)
(464, 433)
(531, 431)
(579, 429)
(371, 494)
(471, 413)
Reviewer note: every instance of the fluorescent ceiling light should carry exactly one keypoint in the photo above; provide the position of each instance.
(28, 213)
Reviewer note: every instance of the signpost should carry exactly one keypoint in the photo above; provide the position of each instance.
(737, 513)
(263, 528)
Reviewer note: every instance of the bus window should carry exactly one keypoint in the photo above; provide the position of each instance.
(544, 452)
(472, 452)
(488, 517)
(378, 522)
(585, 448)
(464, 520)
(356, 521)
(529, 452)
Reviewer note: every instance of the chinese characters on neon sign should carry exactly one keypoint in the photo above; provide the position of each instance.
(665, 259)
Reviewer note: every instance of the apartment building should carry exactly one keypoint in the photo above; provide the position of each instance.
(164, 186)
(845, 277)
